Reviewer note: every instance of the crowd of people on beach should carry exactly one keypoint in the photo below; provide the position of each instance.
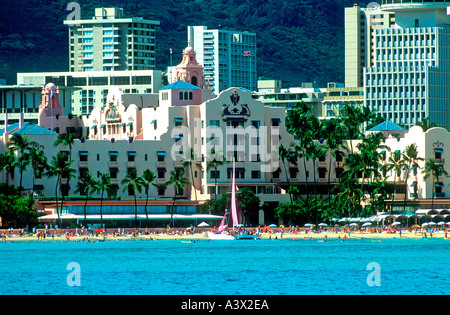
(86, 233)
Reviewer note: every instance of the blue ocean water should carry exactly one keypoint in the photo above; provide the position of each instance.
(263, 267)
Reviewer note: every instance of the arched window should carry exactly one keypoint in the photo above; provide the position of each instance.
(186, 95)
(190, 96)
(194, 80)
(181, 95)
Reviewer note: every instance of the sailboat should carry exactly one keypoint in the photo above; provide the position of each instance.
(222, 234)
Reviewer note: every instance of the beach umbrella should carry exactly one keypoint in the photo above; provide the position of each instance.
(273, 225)
(431, 223)
(308, 224)
(441, 223)
(367, 224)
(203, 224)
(353, 224)
(425, 224)
(323, 224)
(396, 223)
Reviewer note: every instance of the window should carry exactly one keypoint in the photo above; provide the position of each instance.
(256, 123)
(215, 174)
(131, 156)
(113, 156)
(293, 172)
(161, 156)
(161, 172)
(256, 174)
(83, 156)
(214, 123)
(322, 172)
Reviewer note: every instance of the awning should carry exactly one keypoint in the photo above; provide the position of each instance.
(180, 136)
(161, 153)
(131, 153)
(94, 126)
(413, 184)
(153, 121)
(86, 128)
(83, 153)
(122, 124)
(439, 185)
(276, 119)
(113, 153)
(103, 126)
(130, 123)
(132, 216)
(179, 120)
(438, 150)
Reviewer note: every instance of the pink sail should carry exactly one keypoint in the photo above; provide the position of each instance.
(222, 225)
(233, 199)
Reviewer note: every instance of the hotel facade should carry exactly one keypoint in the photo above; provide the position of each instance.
(399, 52)
(110, 42)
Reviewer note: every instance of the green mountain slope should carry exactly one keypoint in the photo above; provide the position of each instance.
(297, 41)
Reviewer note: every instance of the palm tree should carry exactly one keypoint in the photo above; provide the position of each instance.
(189, 161)
(21, 144)
(136, 183)
(103, 185)
(85, 186)
(214, 161)
(334, 141)
(7, 163)
(396, 164)
(38, 161)
(315, 152)
(425, 124)
(178, 181)
(66, 139)
(60, 168)
(284, 155)
(411, 158)
(435, 170)
(148, 177)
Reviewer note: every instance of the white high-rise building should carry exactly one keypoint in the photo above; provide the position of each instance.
(409, 78)
(228, 57)
(110, 42)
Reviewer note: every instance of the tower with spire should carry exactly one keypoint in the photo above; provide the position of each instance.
(189, 70)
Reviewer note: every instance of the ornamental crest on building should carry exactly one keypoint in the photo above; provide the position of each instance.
(235, 108)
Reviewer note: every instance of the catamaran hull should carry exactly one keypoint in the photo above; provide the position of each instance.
(247, 237)
(220, 236)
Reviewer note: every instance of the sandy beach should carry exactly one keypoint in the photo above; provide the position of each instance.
(62, 236)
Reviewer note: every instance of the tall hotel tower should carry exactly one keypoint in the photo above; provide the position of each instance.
(402, 50)
(228, 57)
(111, 42)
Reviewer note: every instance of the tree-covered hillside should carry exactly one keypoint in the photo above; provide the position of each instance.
(297, 41)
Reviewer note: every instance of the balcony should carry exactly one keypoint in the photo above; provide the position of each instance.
(113, 164)
(83, 164)
(131, 164)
